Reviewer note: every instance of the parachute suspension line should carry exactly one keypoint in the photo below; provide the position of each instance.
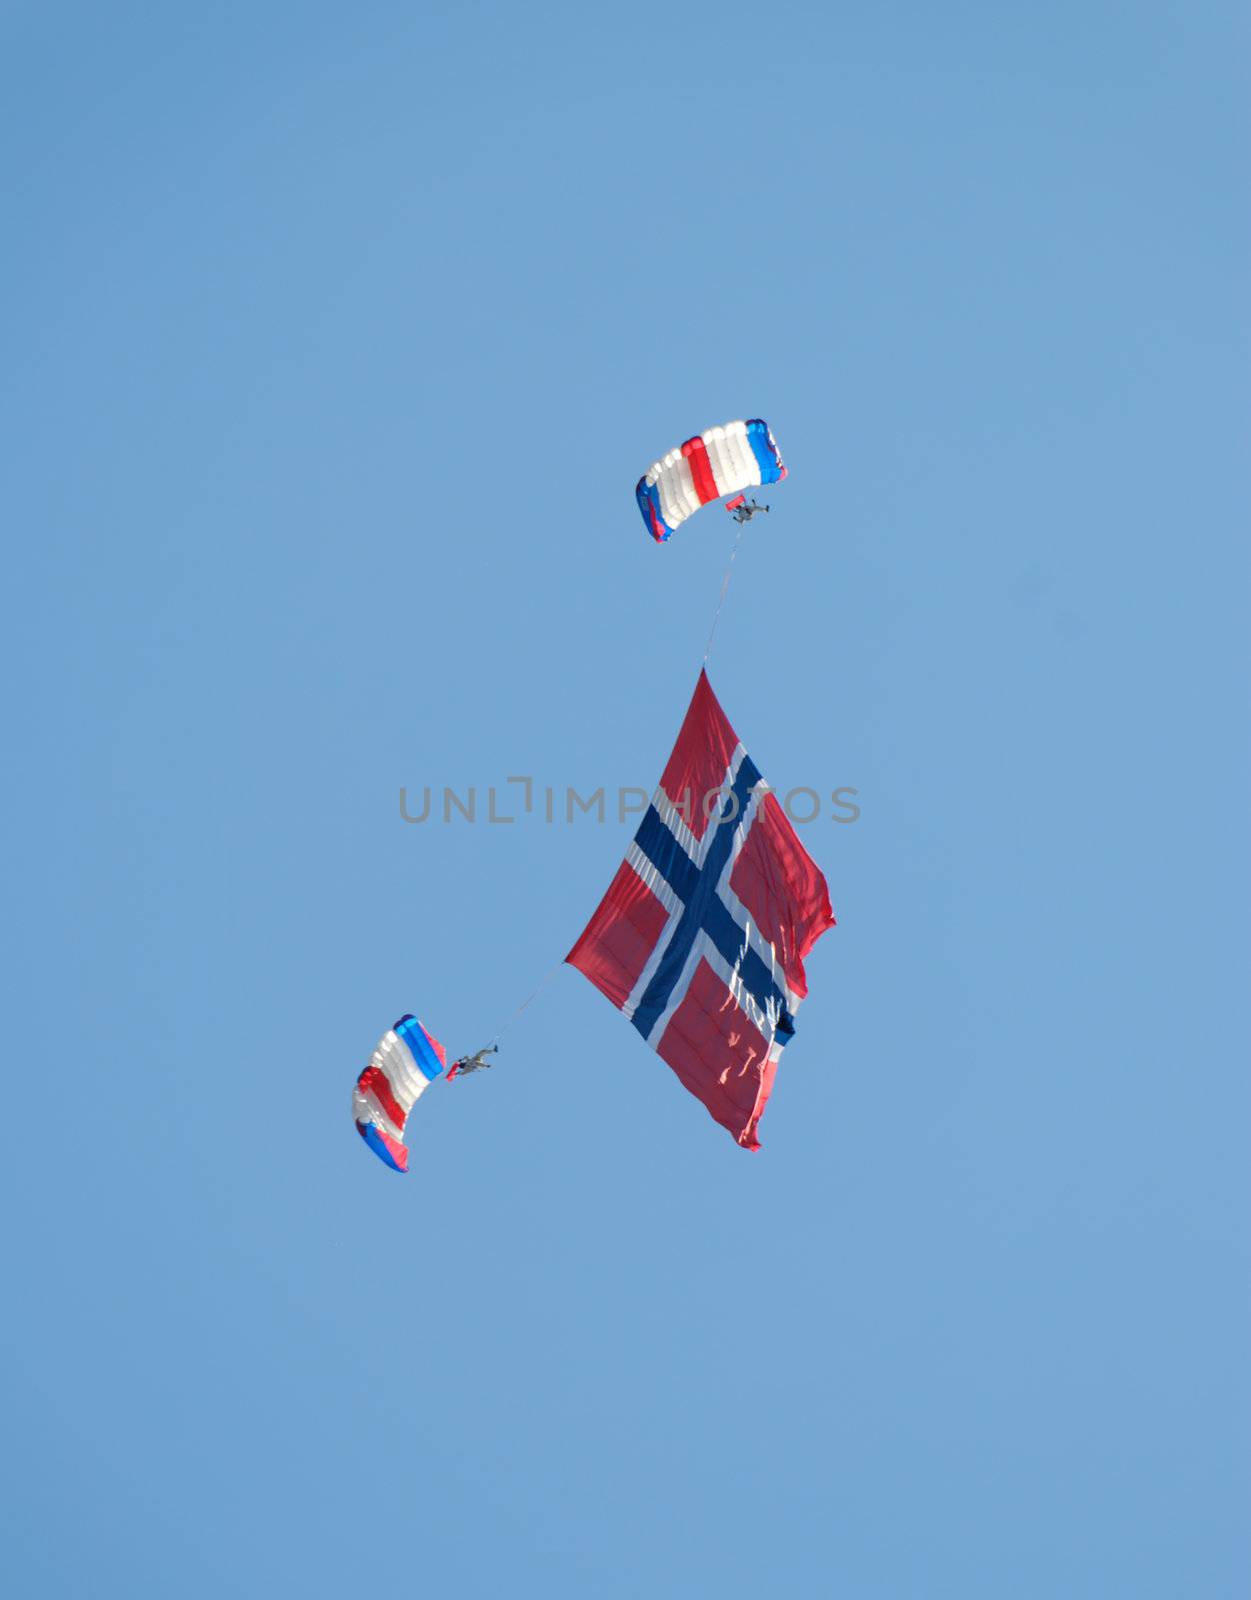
(725, 585)
(533, 995)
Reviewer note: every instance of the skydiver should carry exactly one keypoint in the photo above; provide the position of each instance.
(473, 1063)
(743, 510)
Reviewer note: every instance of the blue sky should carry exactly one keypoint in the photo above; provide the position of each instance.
(335, 340)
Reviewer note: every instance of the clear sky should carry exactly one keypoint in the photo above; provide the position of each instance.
(335, 339)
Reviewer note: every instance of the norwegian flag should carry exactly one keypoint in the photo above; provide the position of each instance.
(702, 935)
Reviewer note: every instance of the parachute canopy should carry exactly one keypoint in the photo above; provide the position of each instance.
(405, 1063)
(740, 455)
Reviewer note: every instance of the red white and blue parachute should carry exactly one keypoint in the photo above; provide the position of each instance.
(401, 1069)
(740, 455)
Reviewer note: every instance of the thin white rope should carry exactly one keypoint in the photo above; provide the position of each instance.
(725, 584)
(533, 995)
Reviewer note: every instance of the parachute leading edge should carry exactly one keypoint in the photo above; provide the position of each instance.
(406, 1062)
(721, 461)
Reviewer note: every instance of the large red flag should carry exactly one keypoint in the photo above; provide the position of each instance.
(702, 935)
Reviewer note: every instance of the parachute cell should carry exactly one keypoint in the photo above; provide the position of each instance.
(740, 455)
(406, 1062)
